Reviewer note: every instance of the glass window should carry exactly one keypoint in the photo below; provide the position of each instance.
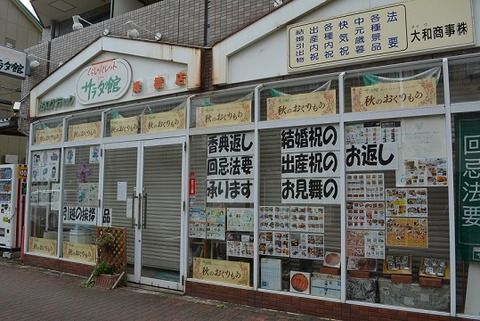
(44, 201)
(48, 132)
(221, 216)
(467, 158)
(464, 75)
(227, 108)
(299, 210)
(80, 199)
(400, 88)
(397, 221)
(146, 119)
(306, 98)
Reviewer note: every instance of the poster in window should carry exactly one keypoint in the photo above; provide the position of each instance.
(94, 155)
(365, 187)
(274, 243)
(230, 144)
(407, 232)
(240, 219)
(307, 246)
(197, 223)
(310, 164)
(371, 157)
(407, 202)
(87, 194)
(237, 166)
(274, 218)
(374, 132)
(367, 244)
(215, 223)
(70, 156)
(304, 139)
(423, 152)
(230, 191)
(45, 166)
(366, 215)
(240, 245)
(315, 219)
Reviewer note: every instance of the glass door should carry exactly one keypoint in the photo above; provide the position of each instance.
(162, 212)
(143, 185)
(121, 195)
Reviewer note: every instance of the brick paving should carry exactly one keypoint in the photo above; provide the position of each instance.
(29, 293)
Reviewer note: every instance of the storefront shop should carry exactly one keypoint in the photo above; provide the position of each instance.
(345, 194)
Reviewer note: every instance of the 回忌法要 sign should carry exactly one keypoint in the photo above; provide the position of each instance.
(12, 62)
(467, 137)
(402, 29)
(103, 81)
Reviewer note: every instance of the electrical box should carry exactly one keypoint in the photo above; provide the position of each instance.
(12, 204)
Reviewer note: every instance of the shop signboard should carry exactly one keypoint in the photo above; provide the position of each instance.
(13, 62)
(87, 215)
(48, 135)
(84, 131)
(313, 104)
(402, 29)
(42, 246)
(103, 81)
(164, 121)
(234, 113)
(394, 95)
(124, 126)
(468, 188)
(229, 272)
(80, 252)
(230, 168)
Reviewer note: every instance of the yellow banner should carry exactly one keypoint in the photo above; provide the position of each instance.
(231, 272)
(302, 105)
(235, 113)
(42, 246)
(84, 131)
(124, 126)
(161, 122)
(390, 31)
(80, 252)
(387, 96)
(48, 135)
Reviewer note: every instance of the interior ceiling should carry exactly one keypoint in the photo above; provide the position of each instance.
(60, 10)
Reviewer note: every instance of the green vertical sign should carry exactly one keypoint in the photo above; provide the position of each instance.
(468, 188)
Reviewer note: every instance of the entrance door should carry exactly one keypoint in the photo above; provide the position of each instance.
(151, 174)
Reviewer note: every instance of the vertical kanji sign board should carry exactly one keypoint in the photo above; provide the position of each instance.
(468, 188)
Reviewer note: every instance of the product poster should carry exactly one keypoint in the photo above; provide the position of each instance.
(240, 245)
(45, 166)
(366, 215)
(407, 232)
(240, 219)
(406, 202)
(70, 156)
(315, 219)
(274, 243)
(373, 132)
(274, 218)
(367, 244)
(215, 223)
(365, 187)
(94, 156)
(197, 223)
(422, 172)
(361, 264)
(423, 152)
(87, 194)
(306, 246)
(298, 218)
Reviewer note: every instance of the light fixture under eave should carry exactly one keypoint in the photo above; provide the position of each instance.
(77, 25)
(34, 64)
(133, 33)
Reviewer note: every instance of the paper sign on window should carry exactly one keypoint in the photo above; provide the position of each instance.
(302, 105)
(234, 113)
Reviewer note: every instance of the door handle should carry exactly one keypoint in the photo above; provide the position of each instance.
(139, 210)
(144, 210)
(133, 208)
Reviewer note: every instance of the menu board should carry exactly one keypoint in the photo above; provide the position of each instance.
(406, 202)
(240, 245)
(365, 215)
(367, 244)
(274, 243)
(365, 187)
(307, 246)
